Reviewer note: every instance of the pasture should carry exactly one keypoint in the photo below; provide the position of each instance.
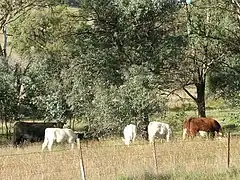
(110, 160)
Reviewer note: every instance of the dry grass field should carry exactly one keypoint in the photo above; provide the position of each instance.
(110, 159)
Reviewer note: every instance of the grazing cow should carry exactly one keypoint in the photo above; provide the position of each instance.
(59, 135)
(160, 129)
(129, 133)
(192, 126)
(30, 131)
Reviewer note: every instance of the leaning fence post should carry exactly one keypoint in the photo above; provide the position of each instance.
(82, 170)
(155, 158)
(228, 150)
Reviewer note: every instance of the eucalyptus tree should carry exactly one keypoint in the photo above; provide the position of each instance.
(40, 38)
(205, 22)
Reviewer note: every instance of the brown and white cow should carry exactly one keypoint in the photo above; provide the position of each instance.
(194, 125)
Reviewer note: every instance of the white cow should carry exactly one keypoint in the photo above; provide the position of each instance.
(159, 129)
(129, 132)
(58, 135)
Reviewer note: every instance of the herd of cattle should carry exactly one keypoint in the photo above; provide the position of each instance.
(205, 127)
(55, 132)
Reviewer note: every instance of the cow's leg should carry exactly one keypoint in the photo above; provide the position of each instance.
(22, 142)
(45, 143)
(184, 133)
(78, 143)
(72, 145)
(50, 143)
(17, 143)
(71, 141)
(127, 141)
(168, 137)
(212, 135)
(133, 138)
(208, 135)
(151, 138)
(193, 133)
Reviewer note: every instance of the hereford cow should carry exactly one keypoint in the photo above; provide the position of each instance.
(58, 135)
(192, 126)
(30, 131)
(159, 129)
(129, 133)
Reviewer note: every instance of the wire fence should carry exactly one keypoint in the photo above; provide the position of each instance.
(113, 160)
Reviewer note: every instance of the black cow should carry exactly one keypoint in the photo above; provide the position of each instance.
(30, 131)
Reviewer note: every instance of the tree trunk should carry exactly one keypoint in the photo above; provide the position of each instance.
(7, 129)
(19, 88)
(142, 125)
(1, 50)
(73, 124)
(5, 42)
(201, 98)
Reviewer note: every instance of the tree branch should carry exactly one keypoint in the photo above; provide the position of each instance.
(188, 93)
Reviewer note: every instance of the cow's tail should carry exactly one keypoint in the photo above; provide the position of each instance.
(186, 129)
(189, 125)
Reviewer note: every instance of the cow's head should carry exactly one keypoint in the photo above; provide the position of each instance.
(219, 134)
(60, 124)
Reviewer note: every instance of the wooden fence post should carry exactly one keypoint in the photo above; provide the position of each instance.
(82, 170)
(228, 150)
(155, 158)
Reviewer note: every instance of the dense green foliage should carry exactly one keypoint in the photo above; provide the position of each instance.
(8, 101)
(110, 63)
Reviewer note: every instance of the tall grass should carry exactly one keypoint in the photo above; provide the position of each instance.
(198, 159)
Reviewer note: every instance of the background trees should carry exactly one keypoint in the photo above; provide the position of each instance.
(11, 72)
(225, 79)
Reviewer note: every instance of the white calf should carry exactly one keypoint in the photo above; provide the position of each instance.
(203, 134)
(129, 133)
(58, 135)
(159, 129)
